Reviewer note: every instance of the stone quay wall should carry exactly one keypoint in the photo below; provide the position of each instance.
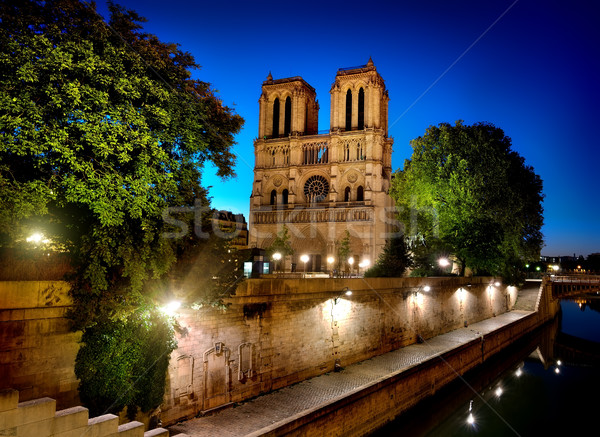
(277, 332)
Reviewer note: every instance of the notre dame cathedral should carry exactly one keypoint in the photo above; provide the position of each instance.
(322, 184)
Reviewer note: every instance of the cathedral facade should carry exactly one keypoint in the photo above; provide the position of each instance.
(321, 184)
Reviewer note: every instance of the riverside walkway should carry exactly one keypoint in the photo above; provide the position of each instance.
(268, 412)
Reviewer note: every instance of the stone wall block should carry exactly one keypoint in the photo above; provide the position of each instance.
(158, 432)
(9, 399)
(69, 419)
(35, 411)
(40, 428)
(131, 429)
(102, 426)
(8, 420)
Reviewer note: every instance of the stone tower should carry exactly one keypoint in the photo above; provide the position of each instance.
(321, 184)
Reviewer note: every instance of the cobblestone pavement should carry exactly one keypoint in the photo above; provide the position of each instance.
(266, 410)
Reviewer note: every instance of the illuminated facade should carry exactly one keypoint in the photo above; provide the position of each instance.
(321, 184)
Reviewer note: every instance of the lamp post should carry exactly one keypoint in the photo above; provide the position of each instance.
(351, 262)
(276, 257)
(304, 259)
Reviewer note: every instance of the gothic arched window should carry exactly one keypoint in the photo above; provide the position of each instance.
(273, 197)
(360, 194)
(287, 121)
(284, 197)
(349, 110)
(361, 109)
(276, 118)
(347, 194)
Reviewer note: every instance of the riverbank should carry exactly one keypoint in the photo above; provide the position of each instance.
(365, 395)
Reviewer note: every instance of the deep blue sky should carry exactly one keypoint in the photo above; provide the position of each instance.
(531, 67)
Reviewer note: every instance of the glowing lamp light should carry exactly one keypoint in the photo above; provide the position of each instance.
(557, 370)
(559, 362)
(37, 238)
(555, 268)
(498, 391)
(538, 268)
(351, 260)
(330, 260)
(276, 256)
(172, 307)
(519, 372)
(304, 258)
(443, 262)
(497, 283)
(345, 291)
(471, 419)
(427, 288)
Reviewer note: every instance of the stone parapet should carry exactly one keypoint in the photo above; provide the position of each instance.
(39, 418)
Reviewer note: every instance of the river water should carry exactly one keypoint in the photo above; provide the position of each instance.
(547, 384)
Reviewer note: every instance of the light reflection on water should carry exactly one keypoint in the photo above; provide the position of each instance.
(527, 392)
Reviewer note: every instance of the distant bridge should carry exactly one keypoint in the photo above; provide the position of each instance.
(574, 285)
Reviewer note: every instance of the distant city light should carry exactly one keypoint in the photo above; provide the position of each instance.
(519, 372)
(555, 268)
(556, 370)
(559, 362)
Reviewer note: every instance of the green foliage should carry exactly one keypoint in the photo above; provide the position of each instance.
(281, 243)
(464, 191)
(393, 261)
(343, 250)
(102, 131)
(124, 362)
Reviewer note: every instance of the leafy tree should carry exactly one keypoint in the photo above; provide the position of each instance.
(102, 131)
(466, 191)
(130, 361)
(393, 261)
(343, 251)
(281, 244)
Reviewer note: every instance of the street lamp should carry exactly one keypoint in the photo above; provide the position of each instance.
(330, 261)
(276, 257)
(345, 291)
(351, 262)
(443, 262)
(304, 259)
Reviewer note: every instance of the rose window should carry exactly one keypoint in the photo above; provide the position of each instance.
(316, 189)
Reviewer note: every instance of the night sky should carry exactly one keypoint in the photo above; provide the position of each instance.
(530, 67)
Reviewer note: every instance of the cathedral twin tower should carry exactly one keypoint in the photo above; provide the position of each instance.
(320, 185)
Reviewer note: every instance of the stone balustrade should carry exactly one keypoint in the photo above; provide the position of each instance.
(39, 418)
